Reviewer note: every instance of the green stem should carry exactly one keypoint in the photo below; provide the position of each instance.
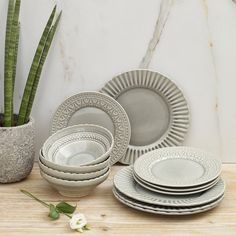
(35, 198)
(41, 201)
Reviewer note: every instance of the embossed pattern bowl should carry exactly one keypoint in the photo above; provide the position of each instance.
(76, 159)
(72, 176)
(71, 188)
(79, 145)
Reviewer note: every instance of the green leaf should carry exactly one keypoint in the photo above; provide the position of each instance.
(10, 58)
(86, 227)
(53, 213)
(40, 67)
(33, 70)
(65, 207)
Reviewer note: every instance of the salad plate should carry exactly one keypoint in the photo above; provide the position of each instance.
(169, 192)
(176, 190)
(178, 167)
(163, 210)
(156, 107)
(125, 183)
(99, 109)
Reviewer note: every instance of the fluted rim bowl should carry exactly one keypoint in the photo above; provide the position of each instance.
(78, 145)
(74, 169)
(70, 188)
(71, 176)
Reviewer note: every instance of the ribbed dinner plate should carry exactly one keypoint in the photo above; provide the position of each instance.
(163, 210)
(177, 167)
(156, 107)
(125, 183)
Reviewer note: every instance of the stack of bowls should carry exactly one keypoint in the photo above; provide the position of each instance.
(75, 159)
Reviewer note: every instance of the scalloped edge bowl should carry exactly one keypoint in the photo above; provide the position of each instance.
(70, 188)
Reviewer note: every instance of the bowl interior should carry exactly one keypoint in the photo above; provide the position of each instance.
(77, 152)
(79, 148)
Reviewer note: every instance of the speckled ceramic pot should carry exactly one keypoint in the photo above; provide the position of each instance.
(16, 152)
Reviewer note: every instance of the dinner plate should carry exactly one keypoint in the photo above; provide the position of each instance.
(177, 167)
(96, 108)
(198, 187)
(154, 189)
(125, 183)
(156, 107)
(163, 210)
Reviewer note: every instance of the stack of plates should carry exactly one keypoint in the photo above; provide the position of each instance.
(171, 181)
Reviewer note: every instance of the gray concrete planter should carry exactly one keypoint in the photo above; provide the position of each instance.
(16, 152)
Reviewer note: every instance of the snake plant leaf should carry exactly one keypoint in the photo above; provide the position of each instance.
(15, 55)
(8, 92)
(40, 67)
(33, 70)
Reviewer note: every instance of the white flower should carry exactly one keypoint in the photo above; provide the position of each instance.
(78, 222)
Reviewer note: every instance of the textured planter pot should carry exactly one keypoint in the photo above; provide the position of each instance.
(16, 152)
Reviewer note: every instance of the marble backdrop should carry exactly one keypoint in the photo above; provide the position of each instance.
(98, 39)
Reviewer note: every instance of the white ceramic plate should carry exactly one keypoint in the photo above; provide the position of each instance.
(162, 210)
(157, 110)
(125, 183)
(177, 167)
(198, 187)
(99, 109)
(154, 189)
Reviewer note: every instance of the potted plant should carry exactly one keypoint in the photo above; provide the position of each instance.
(17, 131)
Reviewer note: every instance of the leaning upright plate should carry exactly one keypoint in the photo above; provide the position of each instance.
(156, 107)
(96, 108)
(177, 167)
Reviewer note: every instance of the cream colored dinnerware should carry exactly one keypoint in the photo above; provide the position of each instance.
(156, 107)
(96, 108)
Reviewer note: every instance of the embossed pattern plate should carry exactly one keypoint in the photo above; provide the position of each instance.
(125, 183)
(96, 108)
(163, 210)
(177, 167)
(177, 190)
(157, 190)
(157, 110)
